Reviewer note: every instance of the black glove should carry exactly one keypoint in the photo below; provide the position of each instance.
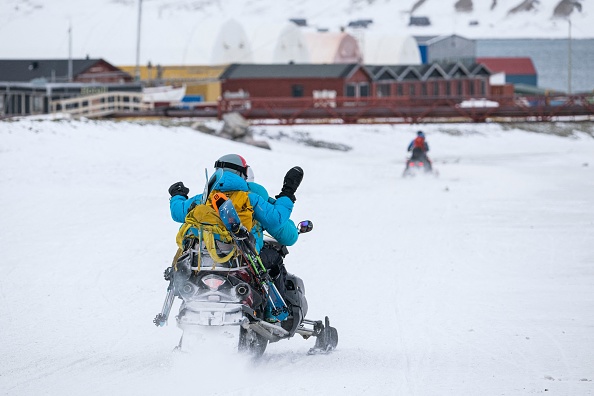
(179, 189)
(168, 273)
(292, 181)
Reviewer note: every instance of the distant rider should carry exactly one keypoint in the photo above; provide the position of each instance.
(419, 148)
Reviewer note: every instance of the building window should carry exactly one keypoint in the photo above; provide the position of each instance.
(460, 87)
(383, 90)
(37, 104)
(399, 90)
(297, 91)
(351, 90)
(423, 89)
(435, 88)
(364, 90)
(483, 87)
(357, 90)
(448, 88)
(471, 87)
(412, 90)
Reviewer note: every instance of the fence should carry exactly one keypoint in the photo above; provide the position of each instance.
(408, 109)
(101, 105)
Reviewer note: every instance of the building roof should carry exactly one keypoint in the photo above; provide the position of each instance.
(428, 40)
(513, 66)
(333, 70)
(431, 70)
(25, 70)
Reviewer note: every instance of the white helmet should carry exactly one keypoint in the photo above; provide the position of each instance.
(234, 163)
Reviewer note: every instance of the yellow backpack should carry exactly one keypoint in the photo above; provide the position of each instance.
(203, 223)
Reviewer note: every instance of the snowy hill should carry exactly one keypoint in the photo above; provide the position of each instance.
(478, 282)
(182, 31)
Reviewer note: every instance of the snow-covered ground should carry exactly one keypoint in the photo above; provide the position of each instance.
(479, 282)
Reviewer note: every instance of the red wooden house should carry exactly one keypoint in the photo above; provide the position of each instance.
(295, 80)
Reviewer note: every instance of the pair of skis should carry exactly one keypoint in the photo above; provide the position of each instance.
(276, 309)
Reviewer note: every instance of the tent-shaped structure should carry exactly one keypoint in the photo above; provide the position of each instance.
(231, 44)
(388, 49)
(278, 43)
(291, 46)
(333, 47)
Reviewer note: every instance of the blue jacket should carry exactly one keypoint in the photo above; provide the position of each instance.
(270, 215)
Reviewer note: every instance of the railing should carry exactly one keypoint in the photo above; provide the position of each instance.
(101, 105)
(409, 109)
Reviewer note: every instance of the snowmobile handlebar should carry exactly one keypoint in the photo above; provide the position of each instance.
(304, 226)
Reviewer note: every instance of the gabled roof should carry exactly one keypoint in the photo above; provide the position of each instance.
(341, 71)
(434, 70)
(454, 70)
(479, 69)
(253, 71)
(24, 70)
(374, 69)
(398, 69)
(517, 66)
(410, 73)
(428, 40)
(381, 73)
(421, 40)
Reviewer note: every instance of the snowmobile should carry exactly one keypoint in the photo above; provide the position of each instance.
(242, 294)
(418, 164)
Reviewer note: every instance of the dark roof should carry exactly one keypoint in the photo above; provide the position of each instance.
(299, 21)
(382, 73)
(438, 69)
(423, 39)
(360, 23)
(419, 21)
(334, 70)
(398, 69)
(517, 66)
(31, 69)
(427, 40)
(376, 72)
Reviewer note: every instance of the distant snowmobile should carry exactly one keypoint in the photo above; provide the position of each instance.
(241, 293)
(418, 164)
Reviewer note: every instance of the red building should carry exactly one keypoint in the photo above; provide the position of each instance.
(295, 80)
(517, 70)
(241, 81)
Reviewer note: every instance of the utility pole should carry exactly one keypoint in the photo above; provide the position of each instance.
(569, 59)
(137, 71)
(70, 51)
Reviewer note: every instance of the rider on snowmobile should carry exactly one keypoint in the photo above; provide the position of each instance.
(270, 214)
(419, 148)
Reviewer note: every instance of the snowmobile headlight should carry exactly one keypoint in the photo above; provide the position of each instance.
(242, 289)
(187, 290)
(213, 281)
